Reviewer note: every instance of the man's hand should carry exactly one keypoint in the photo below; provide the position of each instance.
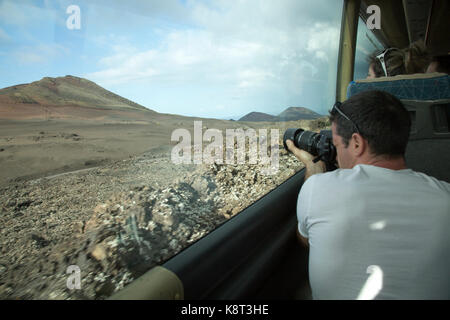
(307, 159)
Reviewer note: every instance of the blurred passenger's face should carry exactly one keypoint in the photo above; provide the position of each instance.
(432, 67)
(371, 73)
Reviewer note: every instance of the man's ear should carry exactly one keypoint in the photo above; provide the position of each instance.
(359, 145)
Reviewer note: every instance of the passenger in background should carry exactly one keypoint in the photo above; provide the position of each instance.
(439, 64)
(390, 62)
(417, 58)
(393, 61)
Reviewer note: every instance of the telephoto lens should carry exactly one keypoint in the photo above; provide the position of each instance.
(319, 145)
(305, 140)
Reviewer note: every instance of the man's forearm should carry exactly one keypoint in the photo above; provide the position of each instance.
(313, 168)
(307, 159)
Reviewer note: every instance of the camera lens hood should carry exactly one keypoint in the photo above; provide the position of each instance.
(290, 134)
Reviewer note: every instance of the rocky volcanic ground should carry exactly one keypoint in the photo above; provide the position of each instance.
(116, 221)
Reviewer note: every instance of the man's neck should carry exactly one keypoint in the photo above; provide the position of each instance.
(397, 163)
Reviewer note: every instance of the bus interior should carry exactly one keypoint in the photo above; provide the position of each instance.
(256, 255)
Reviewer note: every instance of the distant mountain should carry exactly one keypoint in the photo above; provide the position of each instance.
(63, 97)
(298, 113)
(258, 117)
(290, 114)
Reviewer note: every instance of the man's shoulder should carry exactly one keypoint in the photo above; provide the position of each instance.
(431, 181)
(329, 179)
(336, 175)
(347, 178)
(370, 175)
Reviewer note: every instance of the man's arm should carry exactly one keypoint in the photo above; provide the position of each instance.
(311, 168)
(307, 159)
(303, 241)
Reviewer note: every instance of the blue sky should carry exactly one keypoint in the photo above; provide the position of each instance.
(218, 59)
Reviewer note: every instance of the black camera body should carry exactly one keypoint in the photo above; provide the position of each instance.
(318, 144)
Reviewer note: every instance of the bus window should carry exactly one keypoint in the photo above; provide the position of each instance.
(366, 44)
(131, 130)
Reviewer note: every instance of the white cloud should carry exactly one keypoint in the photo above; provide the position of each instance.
(254, 77)
(42, 53)
(323, 39)
(250, 47)
(232, 42)
(186, 55)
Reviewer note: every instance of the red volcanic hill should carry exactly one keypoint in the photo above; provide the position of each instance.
(66, 97)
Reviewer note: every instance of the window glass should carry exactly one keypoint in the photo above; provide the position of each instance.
(366, 44)
(131, 129)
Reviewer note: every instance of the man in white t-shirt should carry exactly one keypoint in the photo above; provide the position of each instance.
(375, 229)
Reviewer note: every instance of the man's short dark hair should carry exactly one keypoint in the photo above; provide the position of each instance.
(381, 118)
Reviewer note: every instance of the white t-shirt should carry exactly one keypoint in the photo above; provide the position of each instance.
(390, 225)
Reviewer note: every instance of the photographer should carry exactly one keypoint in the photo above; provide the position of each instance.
(375, 229)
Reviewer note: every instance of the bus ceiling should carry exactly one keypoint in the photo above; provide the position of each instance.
(402, 22)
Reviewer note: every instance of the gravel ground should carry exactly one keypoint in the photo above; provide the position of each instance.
(116, 221)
